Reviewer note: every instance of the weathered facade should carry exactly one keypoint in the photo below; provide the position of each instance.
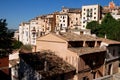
(81, 51)
(44, 66)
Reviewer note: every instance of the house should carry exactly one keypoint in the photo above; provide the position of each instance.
(113, 9)
(74, 17)
(81, 51)
(112, 56)
(14, 64)
(44, 66)
(90, 13)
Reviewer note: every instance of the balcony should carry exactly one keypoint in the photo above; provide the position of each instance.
(33, 31)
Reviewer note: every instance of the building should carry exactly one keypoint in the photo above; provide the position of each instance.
(14, 65)
(34, 28)
(112, 57)
(81, 51)
(61, 22)
(91, 56)
(113, 9)
(24, 33)
(90, 13)
(44, 66)
(16, 35)
(74, 17)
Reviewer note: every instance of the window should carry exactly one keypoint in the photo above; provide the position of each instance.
(63, 17)
(84, 9)
(83, 26)
(85, 78)
(33, 35)
(94, 17)
(95, 13)
(91, 10)
(63, 20)
(76, 18)
(94, 8)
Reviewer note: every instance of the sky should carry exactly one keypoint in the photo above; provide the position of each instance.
(17, 11)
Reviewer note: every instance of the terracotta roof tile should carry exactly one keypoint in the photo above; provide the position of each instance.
(108, 41)
(87, 50)
(69, 36)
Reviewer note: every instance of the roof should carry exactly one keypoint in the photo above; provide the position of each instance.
(110, 42)
(55, 64)
(69, 36)
(87, 50)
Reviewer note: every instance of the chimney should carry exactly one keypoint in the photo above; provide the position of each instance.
(45, 66)
(105, 36)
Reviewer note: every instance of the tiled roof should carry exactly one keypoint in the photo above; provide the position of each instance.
(108, 41)
(69, 36)
(55, 64)
(87, 50)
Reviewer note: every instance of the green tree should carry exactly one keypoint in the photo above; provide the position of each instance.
(5, 39)
(16, 44)
(94, 26)
(109, 27)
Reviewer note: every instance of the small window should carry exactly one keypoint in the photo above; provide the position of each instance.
(63, 20)
(84, 9)
(94, 17)
(94, 8)
(91, 10)
(76, 18)
(85, 78)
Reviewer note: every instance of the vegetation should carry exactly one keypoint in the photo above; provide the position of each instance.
(17, 44)
(5, 39)
(7, 43)
(109, 27)
(26, 49)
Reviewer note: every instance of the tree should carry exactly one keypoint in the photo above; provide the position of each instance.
(16, 44)
(109, 27)
(94, 26)
(5, 39)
